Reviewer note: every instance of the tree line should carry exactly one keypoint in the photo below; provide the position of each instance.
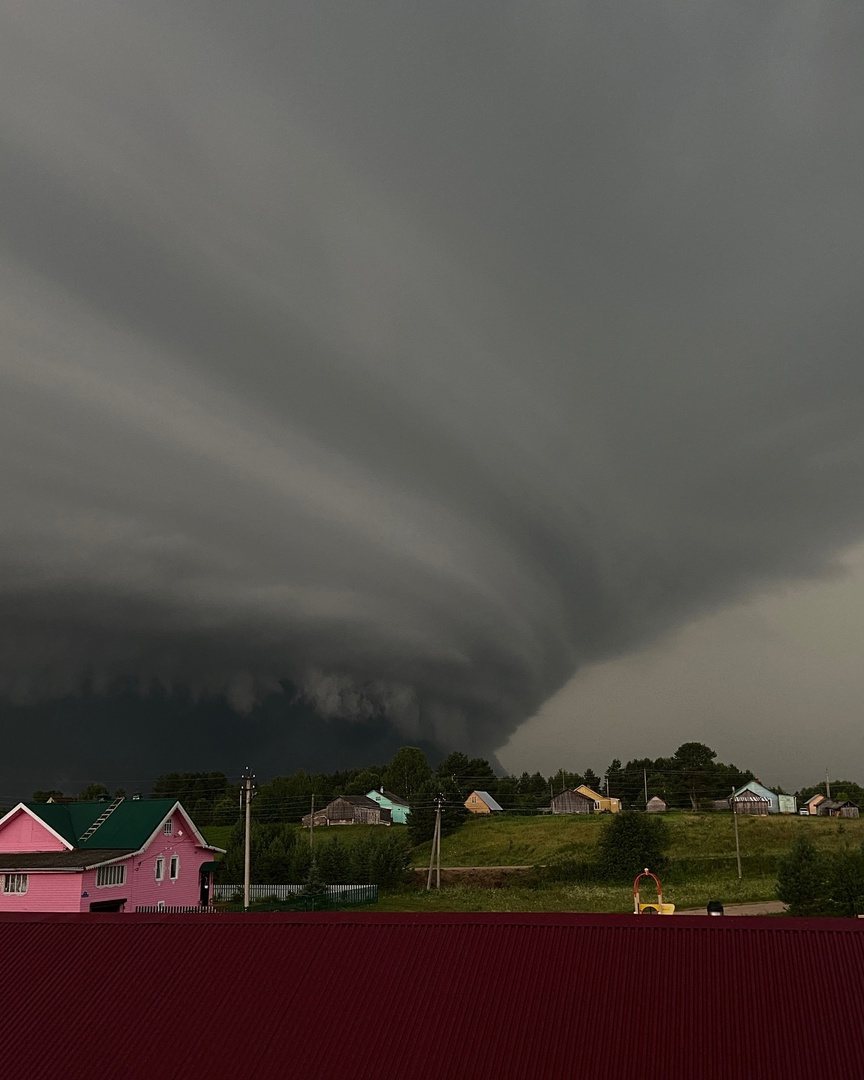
(691, 777)
(284, 854)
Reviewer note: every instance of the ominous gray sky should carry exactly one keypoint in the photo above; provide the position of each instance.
(443, 350)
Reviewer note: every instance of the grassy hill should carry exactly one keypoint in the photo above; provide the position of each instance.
(701, 853)
(694, 838)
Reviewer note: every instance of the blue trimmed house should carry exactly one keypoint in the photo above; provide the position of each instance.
(398, 807)
(777, 804)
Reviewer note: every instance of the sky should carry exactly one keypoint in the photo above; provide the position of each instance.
(487, 371)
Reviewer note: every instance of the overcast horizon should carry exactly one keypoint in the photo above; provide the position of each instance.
(492, 374)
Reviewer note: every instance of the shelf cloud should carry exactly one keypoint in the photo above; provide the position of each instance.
(418, 354)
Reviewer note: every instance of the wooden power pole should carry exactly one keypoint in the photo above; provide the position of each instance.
(248, 791)
(435, 855)
(735, 819)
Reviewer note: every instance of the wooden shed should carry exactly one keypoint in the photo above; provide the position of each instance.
(572, 802)
(656, 806)
(835, 808)
(750, 802)
(350, 810)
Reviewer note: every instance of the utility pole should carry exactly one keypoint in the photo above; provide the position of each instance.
(248, 791)
(645, 783)
(312, 822)
(827, 784)
(438, 847)
(735, 819)
(435, 856)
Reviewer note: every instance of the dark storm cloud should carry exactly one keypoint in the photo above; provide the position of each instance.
(429, 349)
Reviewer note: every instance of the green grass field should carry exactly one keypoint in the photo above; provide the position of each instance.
(701, 854)
(694, 838)
(561, 897)
(217, 835)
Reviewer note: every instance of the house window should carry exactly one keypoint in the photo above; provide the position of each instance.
(16, 883)
(111, 875)
(168, 828)
(174, 868)
(160, 868)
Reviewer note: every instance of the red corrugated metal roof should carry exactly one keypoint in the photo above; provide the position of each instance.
(443, 996)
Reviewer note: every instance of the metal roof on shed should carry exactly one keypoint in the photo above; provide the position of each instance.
(480, 996)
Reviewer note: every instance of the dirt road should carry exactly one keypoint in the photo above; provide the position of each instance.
(763, 907)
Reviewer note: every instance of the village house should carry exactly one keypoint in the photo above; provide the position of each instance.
(97, 856)
(481, 802)
(776, 804)
(572, 801)
(813, 802)
(399, 808)
(602, 803)
(350, 810)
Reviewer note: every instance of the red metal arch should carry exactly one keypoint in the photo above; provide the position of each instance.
(636, 901)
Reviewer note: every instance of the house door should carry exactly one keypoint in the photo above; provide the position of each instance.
(204, 891)
(107, 905)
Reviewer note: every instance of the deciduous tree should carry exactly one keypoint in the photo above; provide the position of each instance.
(407, 772)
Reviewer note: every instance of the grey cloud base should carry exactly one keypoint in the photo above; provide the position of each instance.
(435, 352)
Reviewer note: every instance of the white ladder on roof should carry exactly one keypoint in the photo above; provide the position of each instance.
(103, 817)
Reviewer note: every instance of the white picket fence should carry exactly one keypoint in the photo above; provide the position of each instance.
(344, 894)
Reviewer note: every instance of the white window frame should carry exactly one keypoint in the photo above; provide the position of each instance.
(174, 867)
(168, 828)
(16, 884)
(160, 868)
(113, 876)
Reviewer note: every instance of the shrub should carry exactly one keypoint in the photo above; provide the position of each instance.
(802, 879)
(846, 884)
(628, 844)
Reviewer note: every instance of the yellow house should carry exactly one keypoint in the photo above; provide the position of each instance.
(602, 803)
(481, 802)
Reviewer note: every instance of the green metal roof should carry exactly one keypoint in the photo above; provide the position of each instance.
(130, 825)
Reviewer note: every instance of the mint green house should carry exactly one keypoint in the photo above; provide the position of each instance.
(399, 808)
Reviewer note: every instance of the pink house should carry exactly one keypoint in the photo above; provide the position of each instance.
(92, 856)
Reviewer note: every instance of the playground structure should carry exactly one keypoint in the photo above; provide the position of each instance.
(653, 907)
